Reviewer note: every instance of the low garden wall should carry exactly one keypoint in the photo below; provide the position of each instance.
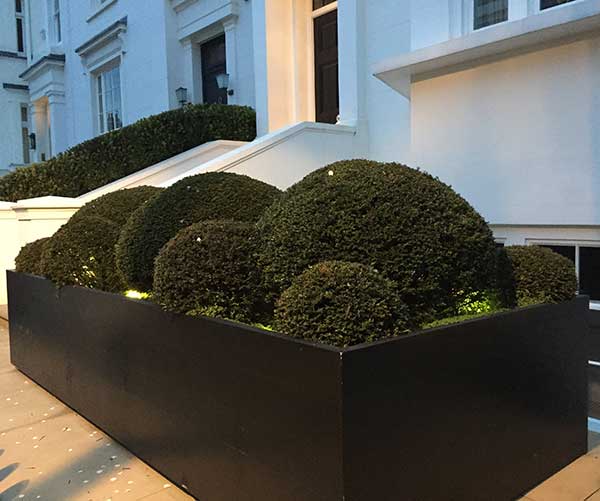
(481, 410)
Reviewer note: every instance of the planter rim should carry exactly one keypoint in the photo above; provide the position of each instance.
(314, 344)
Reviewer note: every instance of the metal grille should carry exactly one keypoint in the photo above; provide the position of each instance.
(488, 12)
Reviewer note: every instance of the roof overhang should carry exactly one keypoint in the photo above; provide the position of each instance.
(549, 28)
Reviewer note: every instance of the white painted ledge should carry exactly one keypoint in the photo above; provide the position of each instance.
(554, 26)
(285, 156)
(161, 172)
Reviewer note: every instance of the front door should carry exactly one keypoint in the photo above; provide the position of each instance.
(213, 64)
(327, 97)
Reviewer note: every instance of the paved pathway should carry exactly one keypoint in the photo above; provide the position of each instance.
(48, 452)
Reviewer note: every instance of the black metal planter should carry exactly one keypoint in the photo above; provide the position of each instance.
(482, 410)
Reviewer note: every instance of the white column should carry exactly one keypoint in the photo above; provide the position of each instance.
(39, 126)
(192, 71)
(231, 58)
(261, 75)
(57, 110)
(352, 70)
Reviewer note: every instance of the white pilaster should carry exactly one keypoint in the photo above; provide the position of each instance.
(230, 27)
(192, 71)
(57, 110)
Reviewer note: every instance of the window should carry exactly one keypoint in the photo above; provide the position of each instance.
(489, 12)
(108, 89)
(587, 265)
(317, 4)
(25, 132)
(20, 20)
(546, 4)
(56, 21)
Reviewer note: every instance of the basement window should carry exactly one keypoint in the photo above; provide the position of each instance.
(587, 265)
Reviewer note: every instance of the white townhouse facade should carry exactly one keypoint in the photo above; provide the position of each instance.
(14, 98)
(499, 98)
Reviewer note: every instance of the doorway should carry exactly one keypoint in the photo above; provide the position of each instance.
(327, 98)
(213, 58)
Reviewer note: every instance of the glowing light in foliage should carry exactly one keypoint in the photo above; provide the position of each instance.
(136, 294)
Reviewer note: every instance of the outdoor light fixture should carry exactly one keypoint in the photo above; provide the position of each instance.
(181, 94)
(223, 83)
(32, 142)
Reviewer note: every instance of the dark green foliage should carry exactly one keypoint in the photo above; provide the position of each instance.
(401, 221)
(119, 153)
(82, 252)
(534, 275)
(28, 260)
(117, 206)
(460, 318)
(341, 304)
(210, 269)
(204, 197)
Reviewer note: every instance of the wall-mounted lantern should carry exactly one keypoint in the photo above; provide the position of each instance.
(32, 142)
(223, 83)
(181, 94)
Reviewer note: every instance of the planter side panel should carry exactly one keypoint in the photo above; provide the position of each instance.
(483, 410)
(227, 411)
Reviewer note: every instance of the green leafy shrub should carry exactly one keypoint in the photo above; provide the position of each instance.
(405, 223)
(28, 260)
(204, 197)
(459, 318)
(474, 303)
(537, 275)
(341, 304)
(116, 154)
(82, 252)
(117, 206)
(210, 269)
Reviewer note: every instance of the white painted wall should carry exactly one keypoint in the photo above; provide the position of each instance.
(519, 138)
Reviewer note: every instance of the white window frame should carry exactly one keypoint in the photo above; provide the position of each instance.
(102, 111)
(535, 6)
(56, 21)
(20, 16)
(25, 125)
(469, 12)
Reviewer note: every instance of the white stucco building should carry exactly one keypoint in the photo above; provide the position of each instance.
(14, 98)
(499, 98)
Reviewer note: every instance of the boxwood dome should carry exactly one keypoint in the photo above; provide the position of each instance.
(403, 222)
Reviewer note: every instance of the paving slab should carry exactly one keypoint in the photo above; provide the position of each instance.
(49, 452)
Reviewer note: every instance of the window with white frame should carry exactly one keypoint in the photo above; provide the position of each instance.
(547, 4)
(20, 23)
(25, 132)
(489, 12)
(586, 258)
(108, 99)
(56, 21)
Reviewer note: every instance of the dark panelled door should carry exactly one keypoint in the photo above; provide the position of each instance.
(326, 68)
(213, 64)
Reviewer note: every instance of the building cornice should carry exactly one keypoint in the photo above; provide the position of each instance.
(102, 38)
(49, 60)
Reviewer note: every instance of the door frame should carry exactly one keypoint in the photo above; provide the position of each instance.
(311, 94)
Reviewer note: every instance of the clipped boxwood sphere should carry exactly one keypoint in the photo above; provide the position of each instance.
(538, 275)
(403, 222)
(204, 197)
(118, 205)
(341, 304)
(210, 269)
(28, 260)
(82, 252)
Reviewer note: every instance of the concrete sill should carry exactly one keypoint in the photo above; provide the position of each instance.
(551, 27)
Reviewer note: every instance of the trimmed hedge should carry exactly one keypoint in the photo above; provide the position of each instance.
(28, 260)
(204, 197)
(341, 304)
(210, 269)
(403, 222)
(537, 275)
(116, 154)
(82, 252)
(117, 206)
